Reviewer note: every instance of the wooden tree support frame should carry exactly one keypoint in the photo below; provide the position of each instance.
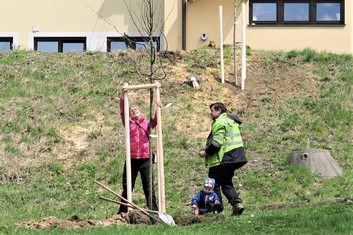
(160, 164)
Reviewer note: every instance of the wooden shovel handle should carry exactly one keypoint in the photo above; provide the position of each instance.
(127, 202)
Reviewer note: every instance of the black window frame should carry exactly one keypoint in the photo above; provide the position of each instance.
(61, 41)
(312, 13)
(9, 40)
(131, 42)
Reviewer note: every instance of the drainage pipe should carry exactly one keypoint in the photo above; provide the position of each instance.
(183, 29)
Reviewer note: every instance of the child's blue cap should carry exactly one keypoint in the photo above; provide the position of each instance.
(209, 182)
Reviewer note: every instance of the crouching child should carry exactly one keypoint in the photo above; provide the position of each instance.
(206, 200)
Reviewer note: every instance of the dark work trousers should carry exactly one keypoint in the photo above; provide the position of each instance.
(142, 166)
(223, 175)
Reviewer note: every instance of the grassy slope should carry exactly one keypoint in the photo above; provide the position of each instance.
(60, 128)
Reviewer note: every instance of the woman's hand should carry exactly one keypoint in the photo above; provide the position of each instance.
(123, 90)
(159, 103)
(202, 153)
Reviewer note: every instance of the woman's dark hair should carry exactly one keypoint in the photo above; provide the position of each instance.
(219, 106)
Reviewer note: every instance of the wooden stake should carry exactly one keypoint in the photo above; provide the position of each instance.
(161, 189)
(127, 145)
(144, 86)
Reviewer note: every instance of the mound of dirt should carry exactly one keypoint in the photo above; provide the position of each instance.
(51, 222)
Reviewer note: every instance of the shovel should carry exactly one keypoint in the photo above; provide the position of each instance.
(163, 218)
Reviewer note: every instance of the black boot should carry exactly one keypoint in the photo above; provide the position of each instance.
(122, 209)
(237, 209)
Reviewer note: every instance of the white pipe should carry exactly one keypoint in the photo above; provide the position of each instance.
(221, 43)
(127, 145)
(243, 47)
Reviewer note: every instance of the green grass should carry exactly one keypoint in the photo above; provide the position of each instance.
(313, 219)
(60, 130)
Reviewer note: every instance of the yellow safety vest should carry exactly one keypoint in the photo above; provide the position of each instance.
(225, 134)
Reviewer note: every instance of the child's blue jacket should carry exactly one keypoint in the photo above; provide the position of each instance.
(203, 200)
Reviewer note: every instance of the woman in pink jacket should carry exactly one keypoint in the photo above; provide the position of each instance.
(139, 150)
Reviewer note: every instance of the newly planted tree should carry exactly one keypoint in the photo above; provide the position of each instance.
(147, 16)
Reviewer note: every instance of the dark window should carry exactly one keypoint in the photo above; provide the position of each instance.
(328, 11)
(115, 44)
(135, 43)
(264, 12)
(296, 12)
(51, 44)
(6, 44)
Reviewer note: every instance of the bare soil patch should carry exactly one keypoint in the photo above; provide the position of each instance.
(52, 222)
(133, 217)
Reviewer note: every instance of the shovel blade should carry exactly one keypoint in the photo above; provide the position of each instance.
(167, 219)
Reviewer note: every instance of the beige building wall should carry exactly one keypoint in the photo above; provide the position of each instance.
(98, 19)
(173, 25)
(203, 17)
(337, 39)
(94, 19)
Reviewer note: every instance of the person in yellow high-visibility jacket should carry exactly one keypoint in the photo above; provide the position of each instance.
(224, 154)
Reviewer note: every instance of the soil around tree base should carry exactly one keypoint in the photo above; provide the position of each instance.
(52, 222)
(133, 217)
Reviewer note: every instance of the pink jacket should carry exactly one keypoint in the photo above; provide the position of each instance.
(139, 134)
